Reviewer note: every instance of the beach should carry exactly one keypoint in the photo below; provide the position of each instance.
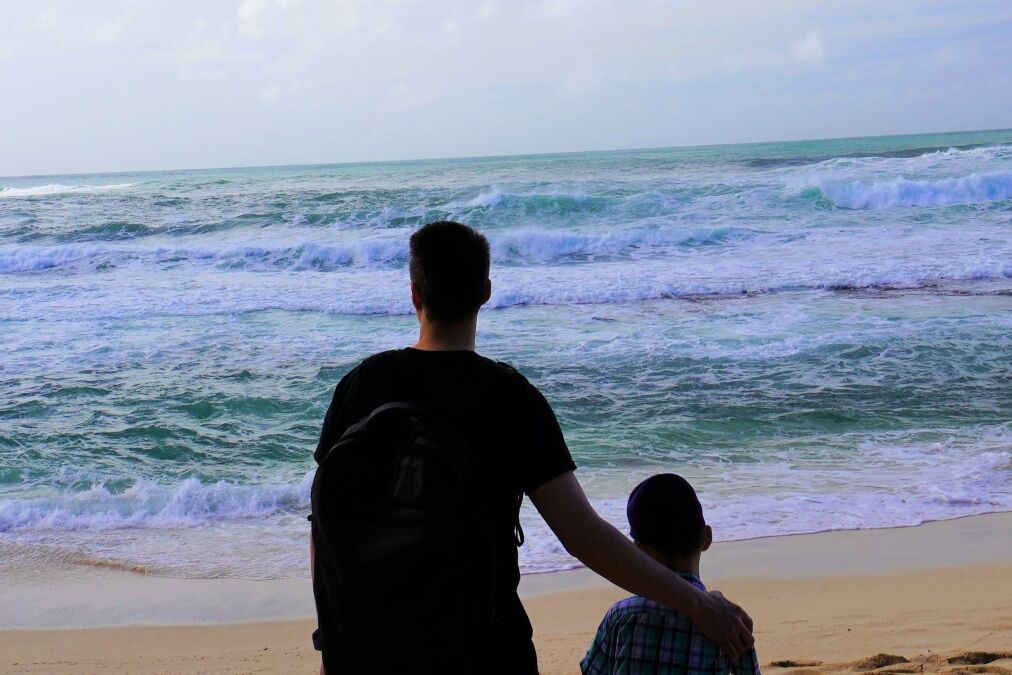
(933, 598)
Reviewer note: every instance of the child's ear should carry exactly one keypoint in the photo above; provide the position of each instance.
(707, 537)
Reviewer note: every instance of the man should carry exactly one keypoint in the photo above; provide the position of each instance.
(522, 450)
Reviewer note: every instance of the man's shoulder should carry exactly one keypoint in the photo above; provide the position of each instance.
(373, 360)
(504, 366)
(507, 376)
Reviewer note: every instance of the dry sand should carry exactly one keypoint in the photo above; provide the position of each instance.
(936, 598)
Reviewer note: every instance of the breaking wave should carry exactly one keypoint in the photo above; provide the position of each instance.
(930, 478)
(902, 153)
(531, 202)
(518, 246)
(975, 188)
(147, 504)
(56, 189)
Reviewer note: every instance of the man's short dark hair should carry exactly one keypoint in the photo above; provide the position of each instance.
(665, 513)
(449, 265)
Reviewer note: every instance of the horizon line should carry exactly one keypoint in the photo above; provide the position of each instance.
(451, 158)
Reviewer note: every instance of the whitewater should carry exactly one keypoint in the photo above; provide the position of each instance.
(817, 334)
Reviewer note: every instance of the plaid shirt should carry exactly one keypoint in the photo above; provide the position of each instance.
(640, 637)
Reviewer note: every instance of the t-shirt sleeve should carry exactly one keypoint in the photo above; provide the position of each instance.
(543, 451)
(341, 414)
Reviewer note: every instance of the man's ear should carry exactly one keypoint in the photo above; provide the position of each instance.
(707, 537)
(488, 291)
(416, 297)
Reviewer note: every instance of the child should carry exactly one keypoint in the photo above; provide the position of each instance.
(638, 636)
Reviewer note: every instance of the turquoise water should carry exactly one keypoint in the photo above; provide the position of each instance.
(818, 334)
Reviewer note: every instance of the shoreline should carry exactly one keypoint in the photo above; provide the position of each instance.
(974, 539)
(47, 595)
(835, 598)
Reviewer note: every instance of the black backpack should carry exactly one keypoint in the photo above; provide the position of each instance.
(405, 567)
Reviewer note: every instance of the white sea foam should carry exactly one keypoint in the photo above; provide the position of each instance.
(895, 192)
(897, 483)
(147, 504)
(57, 188)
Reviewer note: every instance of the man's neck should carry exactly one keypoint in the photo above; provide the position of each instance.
(446, 337)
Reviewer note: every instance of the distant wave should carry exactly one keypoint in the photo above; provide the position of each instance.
(376, 292)
(553, 245)
(145, 504)
(970, 189)
(30, 259)
(493, 206)
(56, 188)
(905, 153)
(517, 246)
(531, 203)
(699, 290)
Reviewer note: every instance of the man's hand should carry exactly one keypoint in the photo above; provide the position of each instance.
(725, 623)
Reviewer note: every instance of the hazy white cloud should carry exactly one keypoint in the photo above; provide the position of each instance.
(257, 16)
(109, 31)
(271, 94)
(123, 85)
(809, 50)
(582, 80)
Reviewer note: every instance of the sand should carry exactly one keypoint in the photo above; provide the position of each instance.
(935, 598)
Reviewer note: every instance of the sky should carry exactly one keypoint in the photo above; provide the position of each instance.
(123, 85)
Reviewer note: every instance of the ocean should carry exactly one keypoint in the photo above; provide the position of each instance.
(817, 334)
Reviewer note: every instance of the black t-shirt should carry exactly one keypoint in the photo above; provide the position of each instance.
(506, 420)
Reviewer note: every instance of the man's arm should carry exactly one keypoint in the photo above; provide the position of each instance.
(564, 506)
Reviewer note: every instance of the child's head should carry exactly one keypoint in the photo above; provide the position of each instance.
(666, 520)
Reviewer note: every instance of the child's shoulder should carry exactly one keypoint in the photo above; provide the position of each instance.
(639, 608)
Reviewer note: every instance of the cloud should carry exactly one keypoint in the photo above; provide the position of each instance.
(270, 95)
(584, 79)
(809, 50)
(254, 15)
(109, 31)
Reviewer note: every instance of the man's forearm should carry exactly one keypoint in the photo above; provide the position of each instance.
(609, 553)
